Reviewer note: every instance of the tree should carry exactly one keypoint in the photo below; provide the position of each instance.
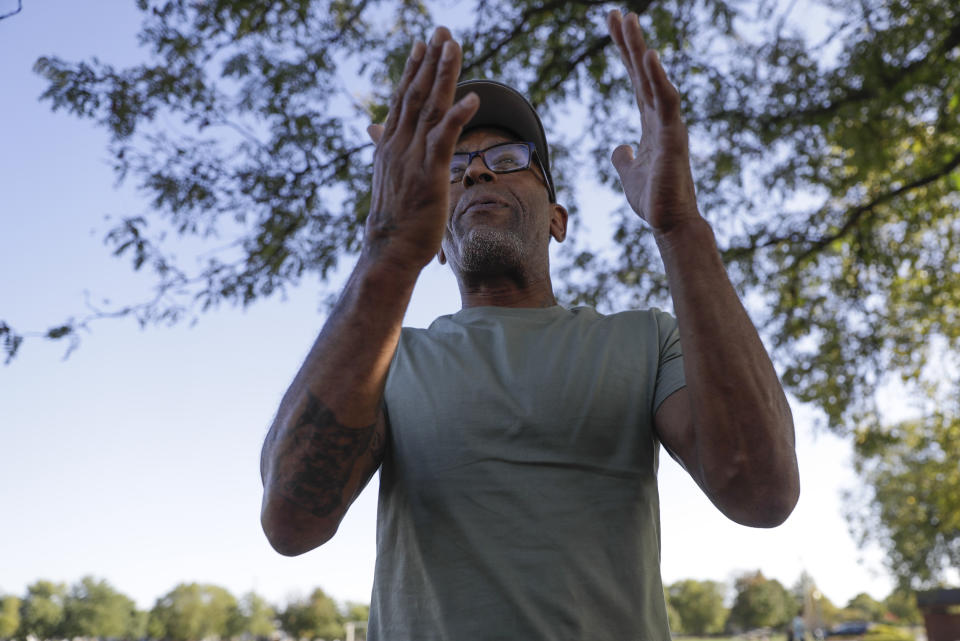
(911, 503)
(41, 612)
(827, 163)
(191, 612)
(94, 609)
(816, 608)
(9, 616)
(256, 615)
(760, 603)
(698, 605)
(357, 612)
(673, 617)
(139, 625)
(866, 608)
(902, 604)
(312, 618)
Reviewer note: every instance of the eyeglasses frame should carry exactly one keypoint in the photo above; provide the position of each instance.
(480, 152)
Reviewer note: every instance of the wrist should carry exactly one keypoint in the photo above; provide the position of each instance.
(693, 231)
(387, 269)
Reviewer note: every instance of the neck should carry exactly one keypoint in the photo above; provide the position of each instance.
(505, 291)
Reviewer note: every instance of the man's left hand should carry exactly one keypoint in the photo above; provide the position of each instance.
(657, 180)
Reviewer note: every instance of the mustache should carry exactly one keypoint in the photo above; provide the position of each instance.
(484, 196)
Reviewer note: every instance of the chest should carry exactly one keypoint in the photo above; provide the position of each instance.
(530, 398)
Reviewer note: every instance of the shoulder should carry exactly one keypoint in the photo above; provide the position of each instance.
(635, 321)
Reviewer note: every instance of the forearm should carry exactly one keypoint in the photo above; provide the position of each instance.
(347, 365)
(739, 412)
(328, 434)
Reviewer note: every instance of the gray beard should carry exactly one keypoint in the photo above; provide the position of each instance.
(487, 250)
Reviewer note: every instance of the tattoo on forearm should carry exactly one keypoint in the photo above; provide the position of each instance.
(316, 458)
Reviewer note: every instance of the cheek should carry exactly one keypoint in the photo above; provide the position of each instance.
(455, 194)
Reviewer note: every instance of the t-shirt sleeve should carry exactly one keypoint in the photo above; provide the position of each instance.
(670, 376)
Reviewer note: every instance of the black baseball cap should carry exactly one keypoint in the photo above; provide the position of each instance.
(504, 107)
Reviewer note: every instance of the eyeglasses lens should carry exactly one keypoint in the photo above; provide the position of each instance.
(499, 159)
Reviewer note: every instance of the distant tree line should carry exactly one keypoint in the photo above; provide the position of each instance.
(93, 608)
(701, 607)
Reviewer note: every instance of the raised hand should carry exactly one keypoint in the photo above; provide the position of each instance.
(657, 179)
(411, 166)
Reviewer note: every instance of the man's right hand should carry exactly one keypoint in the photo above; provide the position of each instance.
(411, 180)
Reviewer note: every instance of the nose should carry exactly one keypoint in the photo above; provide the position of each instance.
(477, 171)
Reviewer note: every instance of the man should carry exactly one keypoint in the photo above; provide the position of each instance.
(519, 440)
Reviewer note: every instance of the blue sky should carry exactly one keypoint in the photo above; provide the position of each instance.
(137, 459)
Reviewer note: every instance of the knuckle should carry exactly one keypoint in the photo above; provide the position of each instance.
(432, 114)
(413, 95)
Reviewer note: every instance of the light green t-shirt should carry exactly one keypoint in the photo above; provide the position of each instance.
(518, 493)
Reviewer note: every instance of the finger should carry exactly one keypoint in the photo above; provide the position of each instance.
(422, 83)
(636, 48)
(614, 21)
(443, 138)
(618, 32)
(615, 26)
(409, 70)
(376, 133)
(621, 158)
(444, 87)
(666, 94)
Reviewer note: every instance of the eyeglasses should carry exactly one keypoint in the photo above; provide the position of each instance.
(502, 158)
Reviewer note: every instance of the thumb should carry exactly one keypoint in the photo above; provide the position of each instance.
(621, 157)
(375, 132)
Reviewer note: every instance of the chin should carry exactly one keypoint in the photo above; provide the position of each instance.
(489, 250)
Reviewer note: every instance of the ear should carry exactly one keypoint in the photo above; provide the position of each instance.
(558, 223)
(441, 257)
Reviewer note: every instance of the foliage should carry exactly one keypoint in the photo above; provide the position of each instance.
(139, 625)
(94, 609)
(194, 611)
(314, 617)
(912, 504)
(189, 612)
(867, 608)
(698, 606)
(902, 604)
(673, 617)
(827, 612)
(9, 616)
(357, 612)
(760, 603)
(257, 616)
(42, 611)
(810, 601)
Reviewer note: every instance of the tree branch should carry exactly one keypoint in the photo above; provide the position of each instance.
(595, 47)
(521, 24)
(859, 212)
(853, 217)
(15, 11)
(850, 96)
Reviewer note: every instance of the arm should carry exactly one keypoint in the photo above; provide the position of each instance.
(731, 427)
(329, 434)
